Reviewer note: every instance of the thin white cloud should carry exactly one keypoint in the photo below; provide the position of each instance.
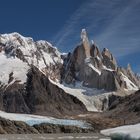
(120, 40)
(107, 23)
(71, 24)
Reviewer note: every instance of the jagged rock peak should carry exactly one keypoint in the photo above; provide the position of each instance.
(83, 34)
(108, 59)
(129, 67)
(86, 43)
(95, 52)
(91, 49)
(107, 53)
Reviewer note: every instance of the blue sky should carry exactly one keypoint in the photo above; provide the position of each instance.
(114, 24)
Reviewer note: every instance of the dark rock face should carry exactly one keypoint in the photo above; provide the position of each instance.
(78, 69)
(39, 96)
(125, 108)
(133, 101)
(43, 96)
(13, 99)
(75, 65)
(113, 101)
(96, 56)
(108, 59)
(108, 81)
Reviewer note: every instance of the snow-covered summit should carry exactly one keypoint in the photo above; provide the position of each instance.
(18, 51)
(11, 43)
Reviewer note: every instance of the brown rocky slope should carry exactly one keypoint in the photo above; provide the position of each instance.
(18, 127)
(39, 96)
(126, 108)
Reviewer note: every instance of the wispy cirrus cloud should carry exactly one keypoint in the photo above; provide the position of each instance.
(137, 69)
(69, 29)
(123, 33)
(112, 23)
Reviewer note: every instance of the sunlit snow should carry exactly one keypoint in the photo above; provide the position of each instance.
(130, 85)
(15, 65)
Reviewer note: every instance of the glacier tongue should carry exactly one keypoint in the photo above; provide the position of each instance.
(36, 119)
(92, 98)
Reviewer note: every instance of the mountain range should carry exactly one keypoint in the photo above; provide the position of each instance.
(36, 78)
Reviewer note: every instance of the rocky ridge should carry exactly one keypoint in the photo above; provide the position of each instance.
(39, 96)
(97, 69)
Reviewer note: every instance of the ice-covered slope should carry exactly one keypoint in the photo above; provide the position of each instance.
(40, 53)
(12, 70)
(132, 131)
(17, 53)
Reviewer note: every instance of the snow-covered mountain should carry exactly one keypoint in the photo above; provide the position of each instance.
(34, 76)
(18, 53)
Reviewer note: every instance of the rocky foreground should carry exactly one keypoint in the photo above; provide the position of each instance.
(127, 112)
